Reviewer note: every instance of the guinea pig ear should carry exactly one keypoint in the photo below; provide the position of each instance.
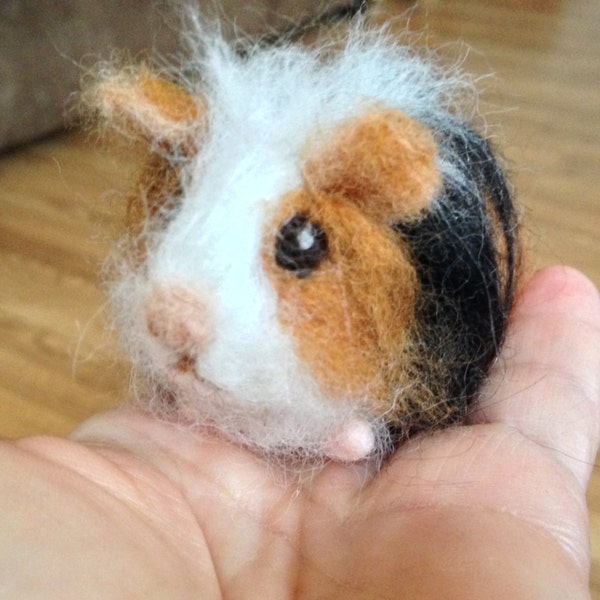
(144, 106)
(384, 161)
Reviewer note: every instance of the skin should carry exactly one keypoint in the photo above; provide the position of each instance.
(130, 507)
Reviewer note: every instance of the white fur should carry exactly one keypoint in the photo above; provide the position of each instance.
(265, 113)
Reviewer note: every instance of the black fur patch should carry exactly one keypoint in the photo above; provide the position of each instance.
(466, 294)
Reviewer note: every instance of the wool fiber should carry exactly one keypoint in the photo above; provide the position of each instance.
(390, 325)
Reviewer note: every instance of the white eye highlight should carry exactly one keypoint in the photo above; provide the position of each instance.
(301, 245)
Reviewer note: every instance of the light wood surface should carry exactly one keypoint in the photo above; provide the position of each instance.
(60, 205)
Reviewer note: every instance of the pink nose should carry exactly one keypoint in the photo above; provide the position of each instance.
(178, 318)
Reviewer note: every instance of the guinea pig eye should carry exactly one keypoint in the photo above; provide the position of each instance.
(301, 245)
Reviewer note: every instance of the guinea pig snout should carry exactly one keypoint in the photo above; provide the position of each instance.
(178, 319)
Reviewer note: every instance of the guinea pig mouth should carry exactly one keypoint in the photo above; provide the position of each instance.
(184, 373)
(184, 369)
(186, 365)
(182, 366)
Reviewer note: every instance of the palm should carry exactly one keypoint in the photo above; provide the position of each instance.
(219, 522)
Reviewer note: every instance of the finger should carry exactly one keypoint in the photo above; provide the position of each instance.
(546, 383)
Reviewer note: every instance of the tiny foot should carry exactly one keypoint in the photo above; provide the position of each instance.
(352, 441)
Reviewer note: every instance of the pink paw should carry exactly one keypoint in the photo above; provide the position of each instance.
(353, 441)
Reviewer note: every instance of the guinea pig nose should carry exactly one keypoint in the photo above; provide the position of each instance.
(178, 318)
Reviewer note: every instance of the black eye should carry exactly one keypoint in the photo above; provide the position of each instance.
(301, 245)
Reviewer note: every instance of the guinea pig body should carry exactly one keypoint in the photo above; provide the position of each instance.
(322, 251)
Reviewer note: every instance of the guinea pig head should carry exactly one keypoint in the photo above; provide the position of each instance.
(275, 304)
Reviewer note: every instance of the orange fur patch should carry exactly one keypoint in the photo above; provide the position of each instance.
(150, 107)
(162, 112)
(519, 271)
(171, 100)
(159, 188)
(384, 162)
(352, 315)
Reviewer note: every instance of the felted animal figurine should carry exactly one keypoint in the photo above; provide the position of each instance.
(322, 252)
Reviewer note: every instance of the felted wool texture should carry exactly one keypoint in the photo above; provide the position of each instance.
(350, 318)
(384, 162)
(269, 116)
(353, 317)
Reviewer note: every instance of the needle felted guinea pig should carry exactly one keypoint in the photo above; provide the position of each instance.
(322, 252)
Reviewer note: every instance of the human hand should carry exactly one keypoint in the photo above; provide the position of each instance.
(131, 507)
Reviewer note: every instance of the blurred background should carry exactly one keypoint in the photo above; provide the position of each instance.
(61, 193)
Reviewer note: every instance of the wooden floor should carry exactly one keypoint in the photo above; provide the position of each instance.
(59, 205)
